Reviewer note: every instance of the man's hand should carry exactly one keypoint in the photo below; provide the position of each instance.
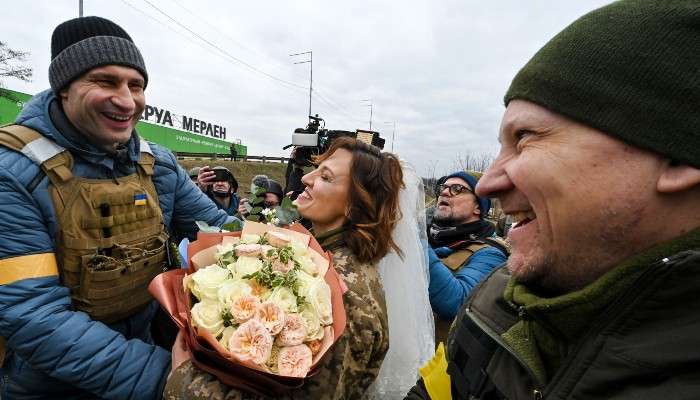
(205, 177)
(244, 207)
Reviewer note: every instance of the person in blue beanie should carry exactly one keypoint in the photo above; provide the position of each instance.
(463, 247)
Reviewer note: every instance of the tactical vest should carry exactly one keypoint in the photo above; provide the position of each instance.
(111, 239)
(455, 262)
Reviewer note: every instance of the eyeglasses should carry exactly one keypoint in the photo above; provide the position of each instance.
(455, 189)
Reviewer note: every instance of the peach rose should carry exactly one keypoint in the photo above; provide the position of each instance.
(244, 308)
(248, 250)
(251, 342)
(294, 361)
(293, 332)
(279, 266)
(259, 290)
(278, 239)
(272, 316)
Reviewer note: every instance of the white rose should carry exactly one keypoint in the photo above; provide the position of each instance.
(304, 281)
(249, 238)
(247, 265)
(233, 290)
(318, 298)
(206, 281)
(222, 249)
(226, 335)
(284, 298)
(207, 315)
(307, 264)
(299, 248)
(314, 330)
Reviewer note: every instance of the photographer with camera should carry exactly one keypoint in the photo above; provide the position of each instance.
(221, 186)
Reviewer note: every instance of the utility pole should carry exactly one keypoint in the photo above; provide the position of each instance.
(80, 8)
(311, 74)
(393, 132)
(370, 105)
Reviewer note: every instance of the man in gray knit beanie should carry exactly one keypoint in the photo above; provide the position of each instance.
(88, 209)
(99, 75)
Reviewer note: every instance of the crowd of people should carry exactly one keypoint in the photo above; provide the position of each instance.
(593, 294)
(221, 186)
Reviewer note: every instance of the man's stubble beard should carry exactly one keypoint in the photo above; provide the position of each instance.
(556, 274)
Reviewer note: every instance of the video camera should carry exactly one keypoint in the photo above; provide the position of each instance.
(315, 139)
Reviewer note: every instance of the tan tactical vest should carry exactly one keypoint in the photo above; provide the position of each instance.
(111, 239)
(455, 262)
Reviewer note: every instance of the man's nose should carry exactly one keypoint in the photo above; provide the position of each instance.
(123, 98)
(494, 181)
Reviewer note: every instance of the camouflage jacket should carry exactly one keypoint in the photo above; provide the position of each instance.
(354, 361)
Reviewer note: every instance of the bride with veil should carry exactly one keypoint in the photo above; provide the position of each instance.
(411, 325)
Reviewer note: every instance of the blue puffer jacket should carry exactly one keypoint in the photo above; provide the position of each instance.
(448, 290)
(53, 351)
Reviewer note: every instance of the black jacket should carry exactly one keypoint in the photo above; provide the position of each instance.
(646, 345)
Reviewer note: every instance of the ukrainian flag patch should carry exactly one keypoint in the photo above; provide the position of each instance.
(140, 199)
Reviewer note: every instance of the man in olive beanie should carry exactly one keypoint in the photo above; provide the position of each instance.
(600, 170)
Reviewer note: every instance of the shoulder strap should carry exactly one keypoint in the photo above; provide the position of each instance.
(460, 257)
(499, 243)
(54, 159)
(146, 159)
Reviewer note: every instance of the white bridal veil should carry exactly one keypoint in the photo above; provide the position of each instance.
(411, 325)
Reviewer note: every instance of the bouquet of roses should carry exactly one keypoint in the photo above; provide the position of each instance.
(266, 299)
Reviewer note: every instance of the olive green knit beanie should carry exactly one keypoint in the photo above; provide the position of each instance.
(630, 69)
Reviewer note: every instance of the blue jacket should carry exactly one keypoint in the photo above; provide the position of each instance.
(447, 290)
(232, 208)
(52, 351)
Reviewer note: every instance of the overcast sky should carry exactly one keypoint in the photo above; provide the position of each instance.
(438, 69)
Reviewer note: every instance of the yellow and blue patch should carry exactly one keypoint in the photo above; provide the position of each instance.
(140, 199)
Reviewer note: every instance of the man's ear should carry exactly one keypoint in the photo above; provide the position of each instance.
(677, 177)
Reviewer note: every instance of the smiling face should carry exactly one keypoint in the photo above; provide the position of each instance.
(105, 104)
(453, 210)
(325, 200)
(576, 194)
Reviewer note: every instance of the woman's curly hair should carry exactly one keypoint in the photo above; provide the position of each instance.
(373, 200)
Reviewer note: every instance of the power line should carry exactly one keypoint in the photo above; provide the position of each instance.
(226, 35)
(349, 117)
(251, 67)
(230, 57)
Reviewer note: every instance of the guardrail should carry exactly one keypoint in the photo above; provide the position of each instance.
(212, 156)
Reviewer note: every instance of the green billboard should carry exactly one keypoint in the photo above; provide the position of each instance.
(174, 139)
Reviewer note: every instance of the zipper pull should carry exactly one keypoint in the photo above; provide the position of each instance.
(522, 314)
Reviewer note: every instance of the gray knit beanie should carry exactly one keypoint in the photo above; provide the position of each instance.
(81, 44)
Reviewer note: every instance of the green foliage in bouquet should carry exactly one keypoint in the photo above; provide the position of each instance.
(267, 277)
(257, 202)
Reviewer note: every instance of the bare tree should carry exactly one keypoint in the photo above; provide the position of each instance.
(12, 65)
(473, 162)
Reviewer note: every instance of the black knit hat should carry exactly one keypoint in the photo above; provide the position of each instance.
(81, 44)
(630, 69)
